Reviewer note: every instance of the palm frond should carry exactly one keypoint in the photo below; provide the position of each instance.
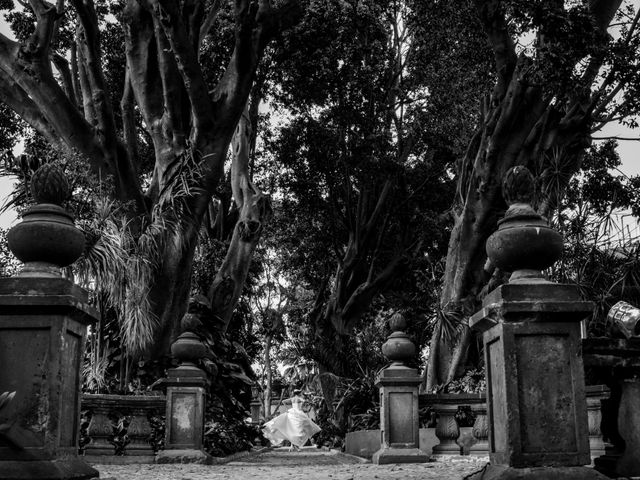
(94, 372)
(114, 263)
(451, 320)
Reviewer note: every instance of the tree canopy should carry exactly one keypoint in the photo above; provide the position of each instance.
(381, 130)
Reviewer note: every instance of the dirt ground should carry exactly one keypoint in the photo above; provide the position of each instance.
(307, 464)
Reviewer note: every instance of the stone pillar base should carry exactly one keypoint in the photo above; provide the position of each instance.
(399, 455)
(61, 469)
(501, 472)
(184, 456)
(606, 464)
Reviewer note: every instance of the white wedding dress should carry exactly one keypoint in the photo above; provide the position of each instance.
(293, 425)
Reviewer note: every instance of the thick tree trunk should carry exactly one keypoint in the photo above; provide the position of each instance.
(170, 292)
(255, 210)
(520, 125)
(190, 127)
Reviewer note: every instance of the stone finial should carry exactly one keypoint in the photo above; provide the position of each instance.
(518, 186)
(524, 243)
(49, 185)
(398, 348)
(47, 238)
(188, 348)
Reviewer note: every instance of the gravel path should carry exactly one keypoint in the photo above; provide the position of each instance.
(308, 464)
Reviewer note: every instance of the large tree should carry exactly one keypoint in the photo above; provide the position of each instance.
(363, 160)
(559, 76)
(190, 68)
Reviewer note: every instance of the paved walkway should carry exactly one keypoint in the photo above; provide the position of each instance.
(308, 464)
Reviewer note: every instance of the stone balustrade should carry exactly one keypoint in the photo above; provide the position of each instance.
(446, 407)
(122, 425)
(448, 431)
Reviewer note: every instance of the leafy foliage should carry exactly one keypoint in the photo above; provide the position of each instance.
(473, 381)
(599, 256)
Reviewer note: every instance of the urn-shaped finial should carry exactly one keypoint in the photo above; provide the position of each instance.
(524, 243)
(398, 348)
(46, 239)
(188, 348)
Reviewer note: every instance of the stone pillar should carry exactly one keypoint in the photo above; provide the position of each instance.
(535, 377)
(399, 424)
(43, 325)
(186, 387)
(256, 405)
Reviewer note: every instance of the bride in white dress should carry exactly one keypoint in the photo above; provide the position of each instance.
(293, 425)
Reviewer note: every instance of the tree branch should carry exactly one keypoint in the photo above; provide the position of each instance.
(33, 73)
(373, 218)
(614, 137)
(255, 26)
(62, 66)
(604, 11)
(75, 80)
(167, 13)
(361, 298)
(85, 88)
(209, 21)
(17, 99)
(240, 163)
(495, 26)
(90, 46)
(46, 19)
(128, 119)
(142, 64)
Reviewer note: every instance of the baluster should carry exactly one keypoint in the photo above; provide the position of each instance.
(480, 431)
(595, 395)
(447, 429)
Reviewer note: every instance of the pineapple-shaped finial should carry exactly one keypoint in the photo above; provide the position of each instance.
(49, 184)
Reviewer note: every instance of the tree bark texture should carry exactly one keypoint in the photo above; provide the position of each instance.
(189, 126)
(254, 210)
(361, 274)
(522, 123)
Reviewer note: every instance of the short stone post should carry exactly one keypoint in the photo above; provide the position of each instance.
(399, 425)
(256, 405)
(535, 377)
(186, 386)
(43, 325)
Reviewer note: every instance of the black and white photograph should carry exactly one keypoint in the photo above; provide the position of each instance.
(319, 239)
